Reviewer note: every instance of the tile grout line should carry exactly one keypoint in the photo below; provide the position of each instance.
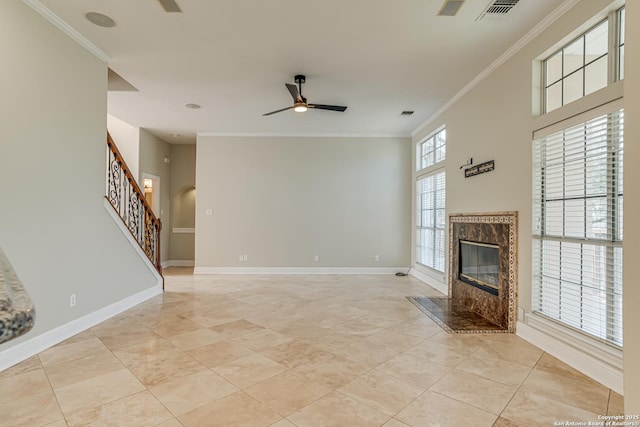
(521, 384)
(64, 417)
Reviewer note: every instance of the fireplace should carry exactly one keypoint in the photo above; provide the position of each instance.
(480, 265)
(483, 265)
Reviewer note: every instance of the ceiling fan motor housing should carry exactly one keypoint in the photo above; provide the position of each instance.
(300, 102)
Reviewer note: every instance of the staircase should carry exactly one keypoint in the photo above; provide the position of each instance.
(127, 199)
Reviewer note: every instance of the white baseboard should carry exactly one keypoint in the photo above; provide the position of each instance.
(39, 343)
(435, 283)
(178, 263)
(596, 360)
(298, 270)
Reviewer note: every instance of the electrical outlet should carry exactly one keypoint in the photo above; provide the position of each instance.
(72, 300)
(244, 258)
(240, 258)
(316, 258)
(377, 258)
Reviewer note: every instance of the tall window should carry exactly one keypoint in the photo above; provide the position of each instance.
(430, 201)
(578, 226)
(621, 15)
(582, 66)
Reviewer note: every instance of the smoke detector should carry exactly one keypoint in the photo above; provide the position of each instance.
(498, 8)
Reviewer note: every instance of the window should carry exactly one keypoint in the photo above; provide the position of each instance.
(432, 150)
(430, 235)
(621, 15)
(430, 201)
(578, 230)
(582, 66)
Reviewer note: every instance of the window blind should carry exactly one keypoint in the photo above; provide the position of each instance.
(431, 220)
(578, 226)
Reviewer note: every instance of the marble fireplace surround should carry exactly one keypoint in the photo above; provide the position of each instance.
(501, 229)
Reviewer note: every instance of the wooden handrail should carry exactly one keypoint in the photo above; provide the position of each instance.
(126, 197)
(129, 175)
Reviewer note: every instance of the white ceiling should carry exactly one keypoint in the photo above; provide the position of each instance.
(378, 57)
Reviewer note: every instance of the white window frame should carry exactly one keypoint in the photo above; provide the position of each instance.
(614, 71)
(620, 42)
(436, 154)
(435, 225)
(602, 361)
(612, 242)
(432, 169)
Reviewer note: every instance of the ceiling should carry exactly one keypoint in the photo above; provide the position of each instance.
(233, 57)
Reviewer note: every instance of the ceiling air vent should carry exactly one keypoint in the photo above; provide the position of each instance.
(450, 7)
(498, 8)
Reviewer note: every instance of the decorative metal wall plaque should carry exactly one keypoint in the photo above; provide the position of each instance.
(478, 169)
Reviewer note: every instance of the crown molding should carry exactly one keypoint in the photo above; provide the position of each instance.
(519, 45)
(67, 29)
(305, 135)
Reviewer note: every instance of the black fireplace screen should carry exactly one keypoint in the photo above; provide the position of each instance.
(480, 265)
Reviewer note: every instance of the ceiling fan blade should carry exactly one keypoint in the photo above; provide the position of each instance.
(278, 111)
(327, 107)
(293, 90)
(170, 5)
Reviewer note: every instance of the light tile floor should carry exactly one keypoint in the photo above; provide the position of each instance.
(282, 351)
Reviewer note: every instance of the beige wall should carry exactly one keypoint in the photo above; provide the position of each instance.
(283, 200)
(494, 121)
(53, 224)
(153, 151)
(183, 193)
(631, 209)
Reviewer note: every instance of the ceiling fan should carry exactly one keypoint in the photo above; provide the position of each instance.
(300, 103)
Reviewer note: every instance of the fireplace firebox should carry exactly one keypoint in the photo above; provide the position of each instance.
(480, 265)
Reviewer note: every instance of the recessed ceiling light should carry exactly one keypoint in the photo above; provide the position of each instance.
(175, 135)
(100, 19)
(192, 106)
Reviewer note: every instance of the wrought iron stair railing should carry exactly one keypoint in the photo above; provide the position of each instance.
(126, 197)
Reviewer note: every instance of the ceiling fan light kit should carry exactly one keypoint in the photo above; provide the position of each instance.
(300, 104)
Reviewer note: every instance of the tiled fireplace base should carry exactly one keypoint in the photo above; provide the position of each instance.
(453, 317)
